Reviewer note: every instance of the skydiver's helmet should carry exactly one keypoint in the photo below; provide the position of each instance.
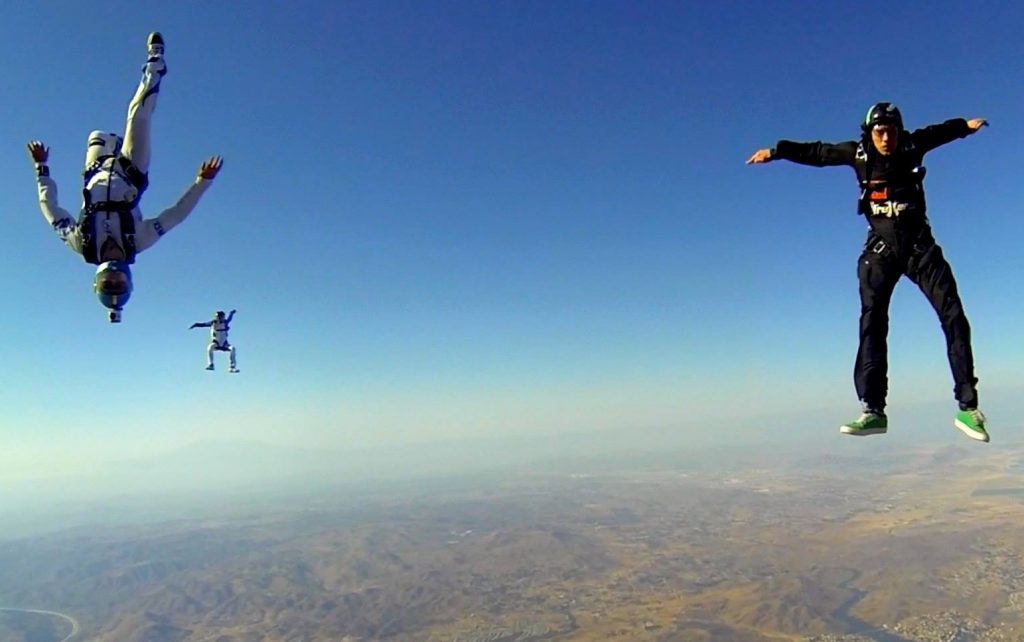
(219, 314)
(113, 287)
(882, 114)
(102, 144)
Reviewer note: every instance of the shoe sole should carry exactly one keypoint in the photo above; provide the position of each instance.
(965, 429)
(846, 430)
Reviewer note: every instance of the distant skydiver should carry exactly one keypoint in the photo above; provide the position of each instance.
(887, 161)
(110, 229)
(219, 327)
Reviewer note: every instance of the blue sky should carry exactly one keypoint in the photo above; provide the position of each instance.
(446, 219)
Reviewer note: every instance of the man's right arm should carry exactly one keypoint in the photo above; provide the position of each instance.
(816, 154)
(54, 214)
(201, 325)
(59, 218)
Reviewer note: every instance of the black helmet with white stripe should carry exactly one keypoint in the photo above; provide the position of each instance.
(882, 114)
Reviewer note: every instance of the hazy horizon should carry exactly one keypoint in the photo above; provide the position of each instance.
(190, 478)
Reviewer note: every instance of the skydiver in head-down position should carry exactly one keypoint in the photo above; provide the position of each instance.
(219, 327)
(887, 160)
(110, 229)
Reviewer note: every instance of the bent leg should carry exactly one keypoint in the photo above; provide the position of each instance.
(932, 273)
(878, 275)
(140, 111)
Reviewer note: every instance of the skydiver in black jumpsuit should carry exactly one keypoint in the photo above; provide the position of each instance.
(888, 163)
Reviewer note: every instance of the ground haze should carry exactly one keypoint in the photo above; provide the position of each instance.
(883, 539)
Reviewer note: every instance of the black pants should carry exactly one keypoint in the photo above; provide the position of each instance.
(881, 265)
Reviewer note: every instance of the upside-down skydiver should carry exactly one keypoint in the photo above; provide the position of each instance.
(110, 230)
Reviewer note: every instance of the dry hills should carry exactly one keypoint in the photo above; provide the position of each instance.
(927, 546)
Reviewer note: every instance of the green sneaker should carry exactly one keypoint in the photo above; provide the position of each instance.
(971, 423)
(869, 423)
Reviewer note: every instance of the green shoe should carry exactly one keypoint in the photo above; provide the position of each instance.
(869, 423)
(971, 423)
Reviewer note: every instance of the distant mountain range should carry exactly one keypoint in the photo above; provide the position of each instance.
(205, 471)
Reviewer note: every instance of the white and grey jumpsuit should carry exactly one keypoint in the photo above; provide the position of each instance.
(113, 184)
(219, 327)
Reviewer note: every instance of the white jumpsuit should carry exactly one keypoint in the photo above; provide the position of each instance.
(109, 183)
(219, 328)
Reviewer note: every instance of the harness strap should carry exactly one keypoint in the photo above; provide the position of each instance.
(127, 242)
(884, 249)
(135, 177)
(109, 206)
(864, 165)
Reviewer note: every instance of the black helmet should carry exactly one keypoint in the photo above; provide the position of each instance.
(882, 113)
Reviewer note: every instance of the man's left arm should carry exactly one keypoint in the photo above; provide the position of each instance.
(928, 138)
(151, 229)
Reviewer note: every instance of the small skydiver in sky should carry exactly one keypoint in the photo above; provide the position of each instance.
(888, 162)
(110, 229)
(219, 327)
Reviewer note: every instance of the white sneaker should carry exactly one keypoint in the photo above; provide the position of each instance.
(155, 45)
(155, 65)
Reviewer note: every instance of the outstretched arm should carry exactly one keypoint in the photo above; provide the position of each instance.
(815, 154)
(150, 230)
(200, 325)
(172, 216)
(231, 315)
(932, 136)
(58, 217)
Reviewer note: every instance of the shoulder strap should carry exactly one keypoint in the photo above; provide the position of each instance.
(89, 250)
(860, 162)
(136, 177)
(85, 225)
(128, 235)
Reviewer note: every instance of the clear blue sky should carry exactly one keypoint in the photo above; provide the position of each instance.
(442, 219)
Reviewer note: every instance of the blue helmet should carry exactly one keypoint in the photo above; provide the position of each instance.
(113, 284)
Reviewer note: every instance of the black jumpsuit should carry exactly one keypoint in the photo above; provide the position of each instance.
(899, 243)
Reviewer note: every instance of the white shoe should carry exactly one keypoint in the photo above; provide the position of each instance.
(155, 45)
(155, 65)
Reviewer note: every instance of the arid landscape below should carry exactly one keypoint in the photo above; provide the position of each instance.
(914, 543)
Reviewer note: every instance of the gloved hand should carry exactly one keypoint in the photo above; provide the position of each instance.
(38, 151)
(210, 167)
